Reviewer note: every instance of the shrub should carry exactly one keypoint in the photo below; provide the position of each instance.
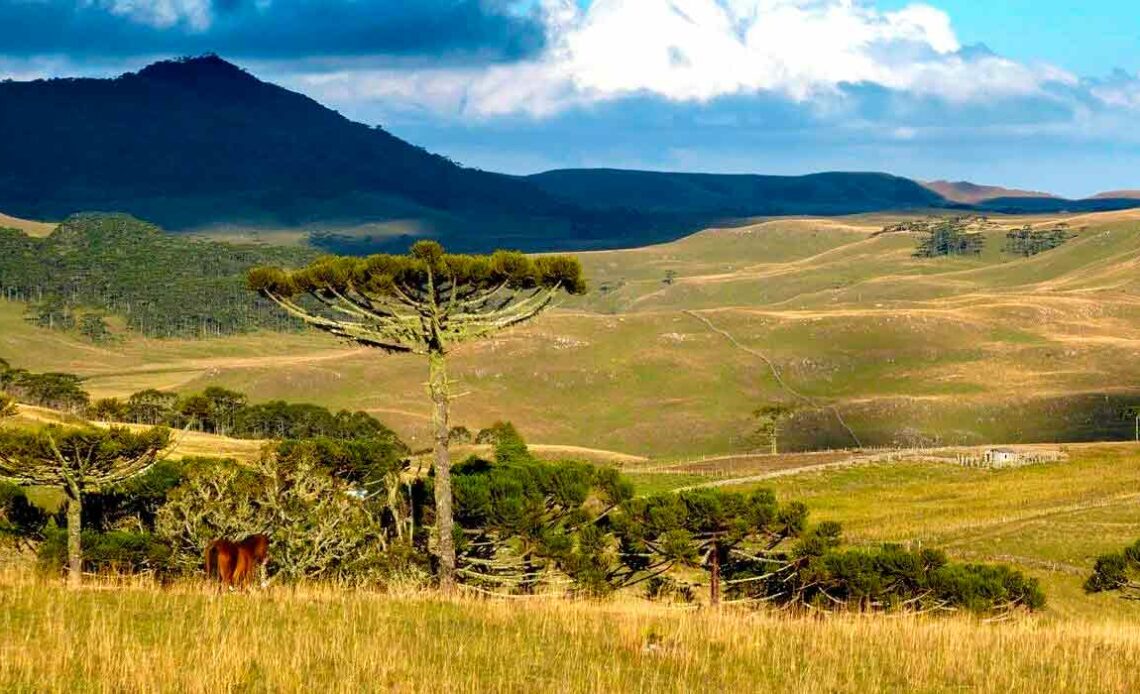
(21, 522)
(506, 441)
(985, 588)
(8, 406)
(115, 552)
(319, 529)
(890, 577)
(1116, 571)
(133, 504)
(520, 517)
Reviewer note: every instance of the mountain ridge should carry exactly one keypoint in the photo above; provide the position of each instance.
(969, 193)
(198, 144)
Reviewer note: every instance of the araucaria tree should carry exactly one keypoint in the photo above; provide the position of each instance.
(77, 461)
(426, 302)
(769, 421)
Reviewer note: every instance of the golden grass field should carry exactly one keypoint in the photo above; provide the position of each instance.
(185, 639)
(1050, 520)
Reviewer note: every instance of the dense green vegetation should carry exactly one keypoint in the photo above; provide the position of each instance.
(349, 511)
(819, 573)
(948, 237)
(200, 142)
(21, 522)
(60, 391)
(77, 461)
(728, 196)
(162, 285)
(1027, 241)
(1117, 571)
(229, 413)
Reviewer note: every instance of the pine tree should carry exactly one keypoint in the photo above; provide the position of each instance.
(426, 303)
(77, 461)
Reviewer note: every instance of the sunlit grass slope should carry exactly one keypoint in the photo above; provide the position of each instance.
(986, 349)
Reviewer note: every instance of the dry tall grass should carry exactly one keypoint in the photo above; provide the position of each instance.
(185, 639)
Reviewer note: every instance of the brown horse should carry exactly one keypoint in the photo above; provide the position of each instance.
(234, 563)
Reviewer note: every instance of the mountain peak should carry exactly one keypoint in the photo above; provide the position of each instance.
(969, 193)
(209, 66)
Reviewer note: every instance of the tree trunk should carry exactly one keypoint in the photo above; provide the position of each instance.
(437, 386)
(74, 540)
(714, 574)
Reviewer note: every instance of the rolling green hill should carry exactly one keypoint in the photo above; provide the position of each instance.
(677, 344)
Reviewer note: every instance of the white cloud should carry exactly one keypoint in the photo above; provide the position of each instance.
(697, 50)
(1121, 91)
(162, 14)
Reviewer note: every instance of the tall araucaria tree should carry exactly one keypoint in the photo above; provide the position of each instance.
(77, 461)
(426, 302)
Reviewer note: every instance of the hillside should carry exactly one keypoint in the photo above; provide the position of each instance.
(674, 341)
(712, 196)
(200, 144)
(1040, 205)
(971, 193)
(1117, 195)
(94, 269)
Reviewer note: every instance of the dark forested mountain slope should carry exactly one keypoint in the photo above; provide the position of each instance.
(199, 142)
(734, 195)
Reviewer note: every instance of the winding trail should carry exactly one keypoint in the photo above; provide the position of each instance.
(775, 373)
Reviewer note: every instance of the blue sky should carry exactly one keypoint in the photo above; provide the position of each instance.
(1040, 95)
(1090, 37)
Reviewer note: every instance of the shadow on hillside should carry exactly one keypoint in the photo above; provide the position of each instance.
(911, 422)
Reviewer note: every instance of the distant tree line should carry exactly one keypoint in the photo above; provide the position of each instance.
(58, 391)
(226, 412)
(215, 410)
(163, 285)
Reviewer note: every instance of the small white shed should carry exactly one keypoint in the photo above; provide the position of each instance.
(1002, 456)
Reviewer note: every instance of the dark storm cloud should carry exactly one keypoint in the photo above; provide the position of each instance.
(268, 29)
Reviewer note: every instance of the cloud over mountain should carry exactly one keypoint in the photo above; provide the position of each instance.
(698, 50)
(788, 86)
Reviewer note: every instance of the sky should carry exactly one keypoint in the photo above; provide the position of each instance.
(1037, 94)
